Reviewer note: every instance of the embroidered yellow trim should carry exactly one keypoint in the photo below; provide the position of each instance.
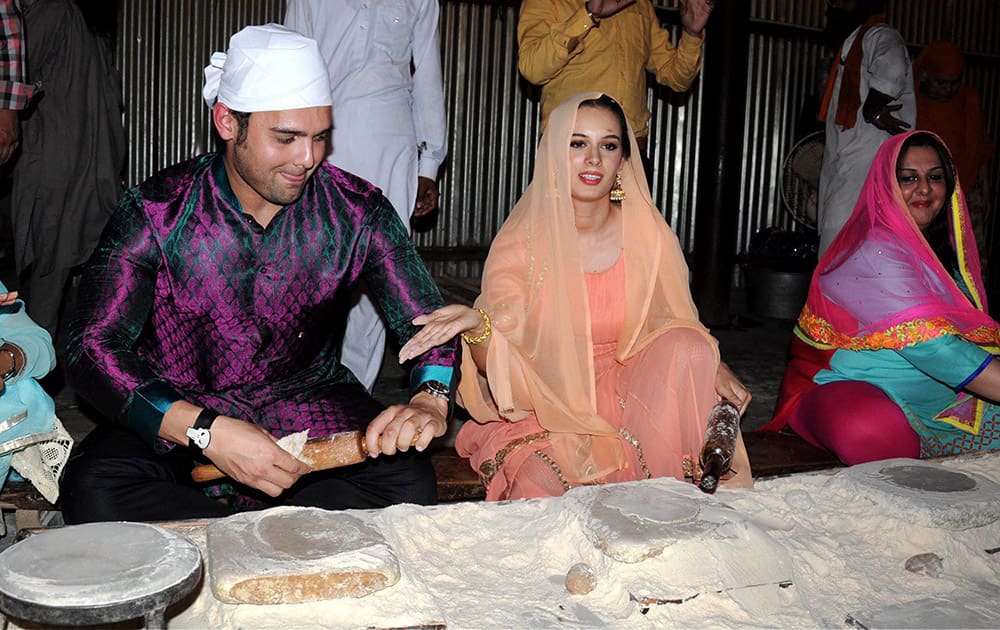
(820, 331)
(963, 263)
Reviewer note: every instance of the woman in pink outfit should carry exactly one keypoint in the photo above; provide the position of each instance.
(584, 361)
(894, 352)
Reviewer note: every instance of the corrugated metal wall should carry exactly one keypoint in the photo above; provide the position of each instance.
(492, 112)
(492, 131)
(163, 46)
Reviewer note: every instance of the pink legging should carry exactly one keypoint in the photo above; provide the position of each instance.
(856, 421)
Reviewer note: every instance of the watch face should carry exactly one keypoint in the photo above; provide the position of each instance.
(435, 388)
(200, 437)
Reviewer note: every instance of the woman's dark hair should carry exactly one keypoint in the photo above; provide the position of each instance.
(609, 104)
(937, 233)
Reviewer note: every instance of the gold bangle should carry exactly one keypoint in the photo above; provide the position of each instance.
(485, 334)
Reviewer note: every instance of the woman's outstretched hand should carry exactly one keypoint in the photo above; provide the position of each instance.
(730, 388)
(439, 327)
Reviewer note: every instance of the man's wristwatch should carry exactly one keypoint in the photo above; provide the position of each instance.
(200, 434)
(436, 389)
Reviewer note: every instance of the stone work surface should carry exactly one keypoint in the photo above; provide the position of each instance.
(808, 550)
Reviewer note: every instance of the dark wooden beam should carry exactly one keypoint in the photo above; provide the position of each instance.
(721, 152)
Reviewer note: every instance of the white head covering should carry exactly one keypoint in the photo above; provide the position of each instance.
(268, 68)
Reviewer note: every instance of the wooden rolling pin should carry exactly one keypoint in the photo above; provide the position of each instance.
(332, 451)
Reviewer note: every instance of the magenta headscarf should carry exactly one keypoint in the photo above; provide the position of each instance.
(880, 285)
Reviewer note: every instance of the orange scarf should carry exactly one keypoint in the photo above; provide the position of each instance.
(849, 99)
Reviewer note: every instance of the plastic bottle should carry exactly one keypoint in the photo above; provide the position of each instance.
(720, 444)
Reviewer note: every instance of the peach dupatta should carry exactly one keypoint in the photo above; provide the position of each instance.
(540, 359)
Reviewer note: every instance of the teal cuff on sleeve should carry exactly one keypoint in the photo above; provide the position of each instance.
(426, 373)
(149, 402)
(977, 372)
(949, 359)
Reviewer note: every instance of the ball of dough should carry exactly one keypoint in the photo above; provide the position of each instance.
(580, 579)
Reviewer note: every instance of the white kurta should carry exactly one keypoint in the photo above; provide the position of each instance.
(389, 124)
(848, 154)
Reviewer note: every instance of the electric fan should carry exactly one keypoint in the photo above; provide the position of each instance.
(799, 181)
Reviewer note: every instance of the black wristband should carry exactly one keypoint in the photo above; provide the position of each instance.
(199, 435)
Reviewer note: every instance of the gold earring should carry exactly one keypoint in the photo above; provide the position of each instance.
(617, 192)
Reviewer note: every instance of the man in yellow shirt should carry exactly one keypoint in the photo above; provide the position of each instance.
(570, 46)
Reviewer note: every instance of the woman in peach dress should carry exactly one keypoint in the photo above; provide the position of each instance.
(583, 360)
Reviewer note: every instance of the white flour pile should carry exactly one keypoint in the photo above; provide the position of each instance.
(806, 550)
(801, 551)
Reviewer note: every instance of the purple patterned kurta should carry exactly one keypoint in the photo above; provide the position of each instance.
(187, 297)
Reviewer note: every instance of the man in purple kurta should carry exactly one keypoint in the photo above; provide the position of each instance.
(205, 319)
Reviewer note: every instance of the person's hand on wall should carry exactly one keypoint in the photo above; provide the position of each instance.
(10, 134)
(695, 14)
(427, 197)
(607, 8)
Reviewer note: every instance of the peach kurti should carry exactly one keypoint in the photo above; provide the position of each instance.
(637, 398)
(569, 349)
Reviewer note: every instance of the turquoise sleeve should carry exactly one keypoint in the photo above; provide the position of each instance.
(949, 359)
(425, 373)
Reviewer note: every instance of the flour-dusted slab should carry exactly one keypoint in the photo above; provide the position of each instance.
(635, 521)
(927, 493)
(290, 555)
(681, 542)
(97, 573)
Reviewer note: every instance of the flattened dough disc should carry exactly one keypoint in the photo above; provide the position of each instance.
(292, 555)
